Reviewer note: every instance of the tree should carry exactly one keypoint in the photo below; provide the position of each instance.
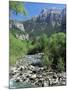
(55, 52)
(58, 49)
(16, 7)
(47, 60)
(43, 41)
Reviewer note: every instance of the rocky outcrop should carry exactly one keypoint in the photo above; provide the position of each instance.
(48, 21)
(22, 37)
(16, 24)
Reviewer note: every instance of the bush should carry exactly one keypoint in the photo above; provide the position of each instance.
(60, 65)
(47, 61)
(43, 41)
(39, 44)
(53, 47)
(58, 48)
(18, 48)
(55, 52)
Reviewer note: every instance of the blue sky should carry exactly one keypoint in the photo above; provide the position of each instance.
(34, 9)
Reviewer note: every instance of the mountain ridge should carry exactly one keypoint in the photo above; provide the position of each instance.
(48, 21)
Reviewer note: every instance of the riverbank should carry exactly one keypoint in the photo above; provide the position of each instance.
(29, 72)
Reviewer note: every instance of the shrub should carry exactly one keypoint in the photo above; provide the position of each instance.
(47, 60)
(18, 48)
(60, 65)
(57, 48)
(55, 52)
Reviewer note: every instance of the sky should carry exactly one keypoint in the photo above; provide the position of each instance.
(34, 9)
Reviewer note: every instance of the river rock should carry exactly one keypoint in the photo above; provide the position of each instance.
(54, 75)
(40, 83)
(13, 68)
(31, 67)
(42, 68)
(24, 78)
(39, 76)
(33, 76)
(46, 83)
(21, 68)
(53, 81)
(29, 72)
(18, 79)
(63, 83)
(16, 75)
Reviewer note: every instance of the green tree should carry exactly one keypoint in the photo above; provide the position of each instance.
(55, 51)
(17, 7)
(58, 48)
(43, 42)
(18, 48)
(47, 61)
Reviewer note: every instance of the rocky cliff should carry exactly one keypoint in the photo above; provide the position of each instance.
(48, 21)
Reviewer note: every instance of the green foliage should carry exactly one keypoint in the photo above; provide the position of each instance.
(60, 65)
(17, 6)
(40, 43)
(57, 47)
(17, 31)
(55, 52)
(54, 49)
(43, 41)
(18, 48)
(46, 58)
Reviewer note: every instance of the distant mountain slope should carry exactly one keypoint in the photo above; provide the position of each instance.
(48, 21)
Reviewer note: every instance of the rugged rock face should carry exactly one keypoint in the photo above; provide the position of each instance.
(34, 75)
(50, 15)
(63, 23)
(16, 24)
(17, 29)
(48, 21)
(22, 36)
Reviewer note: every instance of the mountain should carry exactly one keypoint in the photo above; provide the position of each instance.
(48, 21)
(63, 23)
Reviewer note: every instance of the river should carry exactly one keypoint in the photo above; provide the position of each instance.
(29, 72)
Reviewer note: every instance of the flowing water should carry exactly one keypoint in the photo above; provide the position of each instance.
(15, 85)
